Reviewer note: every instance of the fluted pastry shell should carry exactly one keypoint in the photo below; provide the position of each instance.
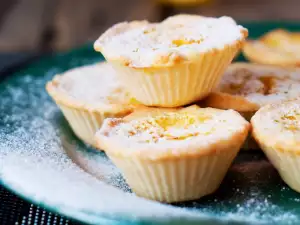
(89, 94)
(175, 62)
(170, 168)
(276, 128)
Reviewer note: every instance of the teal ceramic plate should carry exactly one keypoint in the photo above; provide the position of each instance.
(42, 161)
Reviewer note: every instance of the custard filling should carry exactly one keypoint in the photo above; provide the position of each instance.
(168, 126)
(290, 120)
(181, 42)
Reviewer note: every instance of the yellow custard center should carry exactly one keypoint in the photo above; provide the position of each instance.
(290, 120)
(170, 126)
(179, 121)
(181, 42)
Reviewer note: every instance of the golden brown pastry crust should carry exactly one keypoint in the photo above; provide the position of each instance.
(222, 100)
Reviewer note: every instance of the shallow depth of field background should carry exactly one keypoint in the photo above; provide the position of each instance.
(55, 25)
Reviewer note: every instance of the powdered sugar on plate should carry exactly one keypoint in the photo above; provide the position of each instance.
(41, 160)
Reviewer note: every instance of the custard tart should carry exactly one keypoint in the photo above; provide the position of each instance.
(173, 155)
(246, 87)
(89, 94)
(277, 47)
(276, 127)
(175, 62)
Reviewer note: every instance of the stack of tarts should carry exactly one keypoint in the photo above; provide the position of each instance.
(142, 106)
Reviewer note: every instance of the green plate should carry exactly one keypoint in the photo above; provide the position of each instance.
(42, 161)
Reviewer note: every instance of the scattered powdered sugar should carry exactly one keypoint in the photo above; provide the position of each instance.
(39, 159)
(34, 163)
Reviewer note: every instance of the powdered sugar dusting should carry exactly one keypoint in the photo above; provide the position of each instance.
(95, 85)
(281, 121)
(144, 44)
(35, 149)
(174, 129)
(261, 84)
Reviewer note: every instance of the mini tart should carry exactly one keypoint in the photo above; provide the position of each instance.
(175, 62)
(277, 47)
(87, 95)
(245, 87)
(174, 155)
(276, 128)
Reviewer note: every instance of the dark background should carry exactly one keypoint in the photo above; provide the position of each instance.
(43, 25)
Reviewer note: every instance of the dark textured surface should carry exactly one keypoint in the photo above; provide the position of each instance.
(14, 210)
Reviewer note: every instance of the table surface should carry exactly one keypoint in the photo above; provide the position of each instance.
(14, 210)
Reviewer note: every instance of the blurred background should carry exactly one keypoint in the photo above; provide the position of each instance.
(55, 25)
